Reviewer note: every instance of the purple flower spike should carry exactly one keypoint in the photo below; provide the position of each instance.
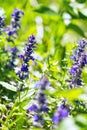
(1, 22)
(16, 18)
(26, 57)
(41, 101)
(80, 60)
(2, 25)
(12, 29)
(61, 113)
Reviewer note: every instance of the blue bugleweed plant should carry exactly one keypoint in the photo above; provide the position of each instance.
(26, 57)
(80, 60)
(40, 106)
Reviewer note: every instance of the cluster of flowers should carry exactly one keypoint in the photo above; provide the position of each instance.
(40, 105)
(80, 60)
(26, 57)
(61, 113)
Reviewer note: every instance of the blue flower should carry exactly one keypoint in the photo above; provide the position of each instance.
(10, 32)
(31, 39)
(13, 50)
(22, 75)
(73, 70)
(44, 108)
(32, 108)
(20, 56)
(24, 68)
(37, 118)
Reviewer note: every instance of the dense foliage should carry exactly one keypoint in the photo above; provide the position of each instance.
(43, 57)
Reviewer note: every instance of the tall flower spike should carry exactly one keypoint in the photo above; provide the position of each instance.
(14, 26)
(61, 113)
(80, 60)
(41, 103)
(16, 18)
(1, 24)
(26, 57)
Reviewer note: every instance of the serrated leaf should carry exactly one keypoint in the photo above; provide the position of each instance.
(45, 10)
(8, 86)
(76, 29)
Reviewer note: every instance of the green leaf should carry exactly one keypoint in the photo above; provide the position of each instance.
(24, 89)
(67, 124)
(70, 11)
(81, 120)
(30, 93)
(2, 107)
(82, 15)
(81, 1)
(76, 29)
(45, 10)
(8, 86)
(69, 94)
